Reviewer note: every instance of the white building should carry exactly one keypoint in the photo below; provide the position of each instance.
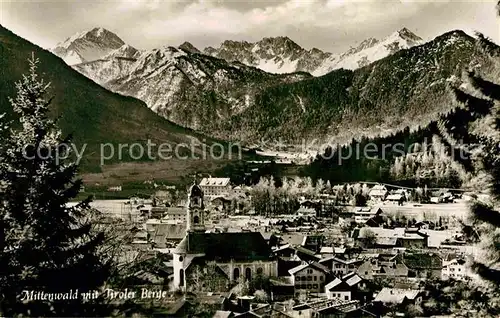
(455, 268)
(176, 214)
(340, 266)
(396, 296)
(378, 193)
(215, 187)
(344, 288)
(309, 277)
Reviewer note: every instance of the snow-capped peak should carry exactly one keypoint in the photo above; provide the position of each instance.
(93, 34)
(271, 54)
(100, 31)
(88, 45)
(408, 35)
(368, 43)
(404, 37)
(369, 51)
(282, 55)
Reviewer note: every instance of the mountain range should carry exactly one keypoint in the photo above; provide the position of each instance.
(230, 100)
(282, 55)
(377, 87)
(180, 84)
(96, 116)
(406, 89)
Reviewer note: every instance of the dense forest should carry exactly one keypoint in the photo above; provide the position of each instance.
(409, 158)
(405, 89)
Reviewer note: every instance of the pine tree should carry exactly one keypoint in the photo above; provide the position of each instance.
(44, 245)
(320, 186)
(477, 151)
(328, 187)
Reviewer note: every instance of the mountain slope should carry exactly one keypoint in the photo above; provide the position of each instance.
(232, 101)
(404, 89)
(282, 55)
(87, 46)
(369, 51)
(91, 113)
(205, 93)
(190, 89)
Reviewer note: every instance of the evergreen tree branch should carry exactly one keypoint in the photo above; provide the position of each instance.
(486, 272)
(44, 244)
(485, 213)
(477, 107)
(487, 88)
(488, 46)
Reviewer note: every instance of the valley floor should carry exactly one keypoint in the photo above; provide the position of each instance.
(170, 170)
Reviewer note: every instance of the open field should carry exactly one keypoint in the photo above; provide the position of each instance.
(109, 207)
(173, 170)
(115, 207)
(430, 212)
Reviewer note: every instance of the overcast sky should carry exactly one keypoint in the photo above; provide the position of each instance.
(331, 25)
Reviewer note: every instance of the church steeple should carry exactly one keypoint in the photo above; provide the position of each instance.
(195, 214)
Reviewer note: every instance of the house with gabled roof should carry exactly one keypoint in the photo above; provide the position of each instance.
(423, 265)
(309, 277)
(341, 266)
(286, 250)
(326, 251)
(396, 198)
(363, 214)
(398, 296)
(306, 254)
(377, 221)
(327, 308)
(383, 266)
(378, 192)
(175, 214)
(348, 287)
(455, 267)
(313, 242)
(395, 302)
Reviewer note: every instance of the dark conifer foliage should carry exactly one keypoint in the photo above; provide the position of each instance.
(45, 246)
(484, 107)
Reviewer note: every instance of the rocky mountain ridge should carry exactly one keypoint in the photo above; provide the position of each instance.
(178, 82)
(282, 55)
(406, 89)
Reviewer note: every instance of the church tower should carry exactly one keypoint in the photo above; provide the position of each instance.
(195, 214)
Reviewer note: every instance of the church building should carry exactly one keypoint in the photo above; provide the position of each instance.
(226, 257)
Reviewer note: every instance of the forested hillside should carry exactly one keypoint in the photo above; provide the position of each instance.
(92, 114)
(409, 158)
(407, 89)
